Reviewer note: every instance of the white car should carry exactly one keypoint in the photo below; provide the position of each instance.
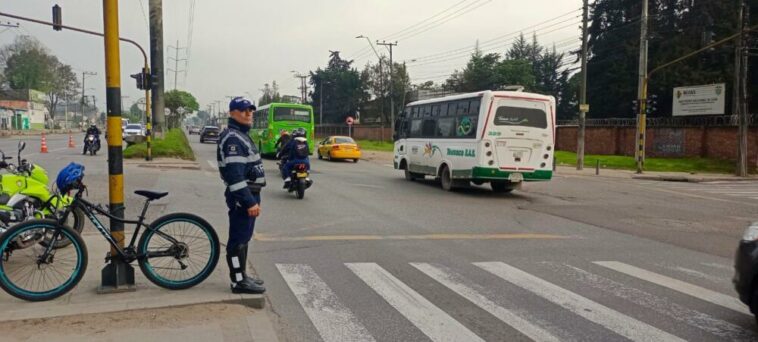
(133, 129)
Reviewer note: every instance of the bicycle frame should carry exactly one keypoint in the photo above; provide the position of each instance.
(128, 253)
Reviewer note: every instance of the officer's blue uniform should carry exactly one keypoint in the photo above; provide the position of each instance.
(241, 169)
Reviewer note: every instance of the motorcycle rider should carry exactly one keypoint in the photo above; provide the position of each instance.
(241, 168)
(92, 130)
(284, 138)
(296, 152)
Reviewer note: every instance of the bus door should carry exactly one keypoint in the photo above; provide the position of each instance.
(521, 131)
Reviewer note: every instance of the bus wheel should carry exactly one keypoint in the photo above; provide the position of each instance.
(320, 157)
(446, 179)
(502, 187)
(477, 182)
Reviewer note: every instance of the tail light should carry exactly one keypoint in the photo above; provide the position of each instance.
(300, 167)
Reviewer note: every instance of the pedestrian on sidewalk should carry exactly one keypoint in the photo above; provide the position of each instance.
(241, 169)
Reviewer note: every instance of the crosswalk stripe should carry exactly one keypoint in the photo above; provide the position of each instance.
(664, 306)
(590, 310)
(430, 319)
(454, 283)
(333, 320)
(677, 285)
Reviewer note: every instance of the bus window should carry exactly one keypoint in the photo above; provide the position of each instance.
(524, 117)
(465, 126)
(473, 108)
(443, 109)
(451, 108)
(291, 114)
(436, 110)
(462, 108)
(416, 129)
(428, 128)
(414, 112)
(446, 127)
(427, 110)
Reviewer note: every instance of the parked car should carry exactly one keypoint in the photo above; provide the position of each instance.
(746, 268)
(194, 130)
(339, 147)
(133, 129)
(209, 133)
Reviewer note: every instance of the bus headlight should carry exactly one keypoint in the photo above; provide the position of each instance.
(549, 148)
(543, 165)
(487, 144)
(546, 156)
(489, 153)
(491, 162)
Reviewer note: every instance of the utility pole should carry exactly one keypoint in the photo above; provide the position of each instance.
(176, 61)
(117, 275)
(321, 101)
(156, 66)
(583, 106)
(303, 87)
(84, 79)
(392, 97)
(642, 90)
(740, 88)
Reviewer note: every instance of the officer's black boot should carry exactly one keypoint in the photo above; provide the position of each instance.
(244, 274)
(241, 284)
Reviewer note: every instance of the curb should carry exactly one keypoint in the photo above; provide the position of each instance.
(171, 166)
(252, 301)
(694, 179)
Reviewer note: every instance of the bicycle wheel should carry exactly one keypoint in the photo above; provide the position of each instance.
(31, 275)
(180, 250)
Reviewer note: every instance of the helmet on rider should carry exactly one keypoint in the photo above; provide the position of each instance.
(284, 132)
(299, 133)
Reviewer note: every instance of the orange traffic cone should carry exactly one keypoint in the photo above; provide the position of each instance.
(71, 141)
(43, 149)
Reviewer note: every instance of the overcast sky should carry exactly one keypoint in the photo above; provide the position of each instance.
(238, 45)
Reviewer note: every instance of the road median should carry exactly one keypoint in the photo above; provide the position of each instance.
(174, 145)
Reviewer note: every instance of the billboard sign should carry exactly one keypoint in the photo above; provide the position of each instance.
(699, 100)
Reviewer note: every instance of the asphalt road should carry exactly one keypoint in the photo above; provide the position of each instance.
(368, 256)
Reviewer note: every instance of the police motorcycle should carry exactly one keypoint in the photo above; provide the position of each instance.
(91, 144)
(24, 195)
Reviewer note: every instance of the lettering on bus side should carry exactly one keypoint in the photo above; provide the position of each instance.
(461, 152)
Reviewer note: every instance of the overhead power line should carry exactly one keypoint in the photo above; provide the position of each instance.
(463, 11)
(534, 27)
(405, 30)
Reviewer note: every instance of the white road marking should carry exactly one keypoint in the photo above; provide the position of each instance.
(677, 285)
(719, 266)
(213, 164)
(608, 318)
(431, 320)
(454, 282)
(333, 320)
(664, 306)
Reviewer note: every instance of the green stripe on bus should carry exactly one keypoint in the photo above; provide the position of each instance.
(493, 173)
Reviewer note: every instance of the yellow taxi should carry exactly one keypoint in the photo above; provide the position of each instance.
(339, 147)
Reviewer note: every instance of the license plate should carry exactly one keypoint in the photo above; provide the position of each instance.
(516, 177)
(302, 174)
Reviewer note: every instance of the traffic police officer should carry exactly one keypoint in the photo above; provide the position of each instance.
(241, 169)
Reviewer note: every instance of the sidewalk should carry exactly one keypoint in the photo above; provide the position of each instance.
(656, 176)
(83, 299)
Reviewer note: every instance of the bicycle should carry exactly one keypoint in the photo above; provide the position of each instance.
(42, 272)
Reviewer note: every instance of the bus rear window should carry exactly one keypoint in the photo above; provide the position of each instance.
(291, 114)
(523, 117)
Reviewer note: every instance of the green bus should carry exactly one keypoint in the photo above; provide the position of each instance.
(270, 120)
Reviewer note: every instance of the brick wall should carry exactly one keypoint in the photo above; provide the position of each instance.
(707, 142)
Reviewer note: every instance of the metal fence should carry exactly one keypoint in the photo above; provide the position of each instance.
(680, 121)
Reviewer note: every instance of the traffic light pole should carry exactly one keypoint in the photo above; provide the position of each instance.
(639, 155)
(117, 275)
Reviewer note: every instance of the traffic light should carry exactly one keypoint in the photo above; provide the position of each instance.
(652, 104)
(144, 79)
(57, 18)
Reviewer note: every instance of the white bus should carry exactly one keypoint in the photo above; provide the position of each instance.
(497, 137)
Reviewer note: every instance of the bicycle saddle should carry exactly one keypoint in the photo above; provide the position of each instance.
(151, 195)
